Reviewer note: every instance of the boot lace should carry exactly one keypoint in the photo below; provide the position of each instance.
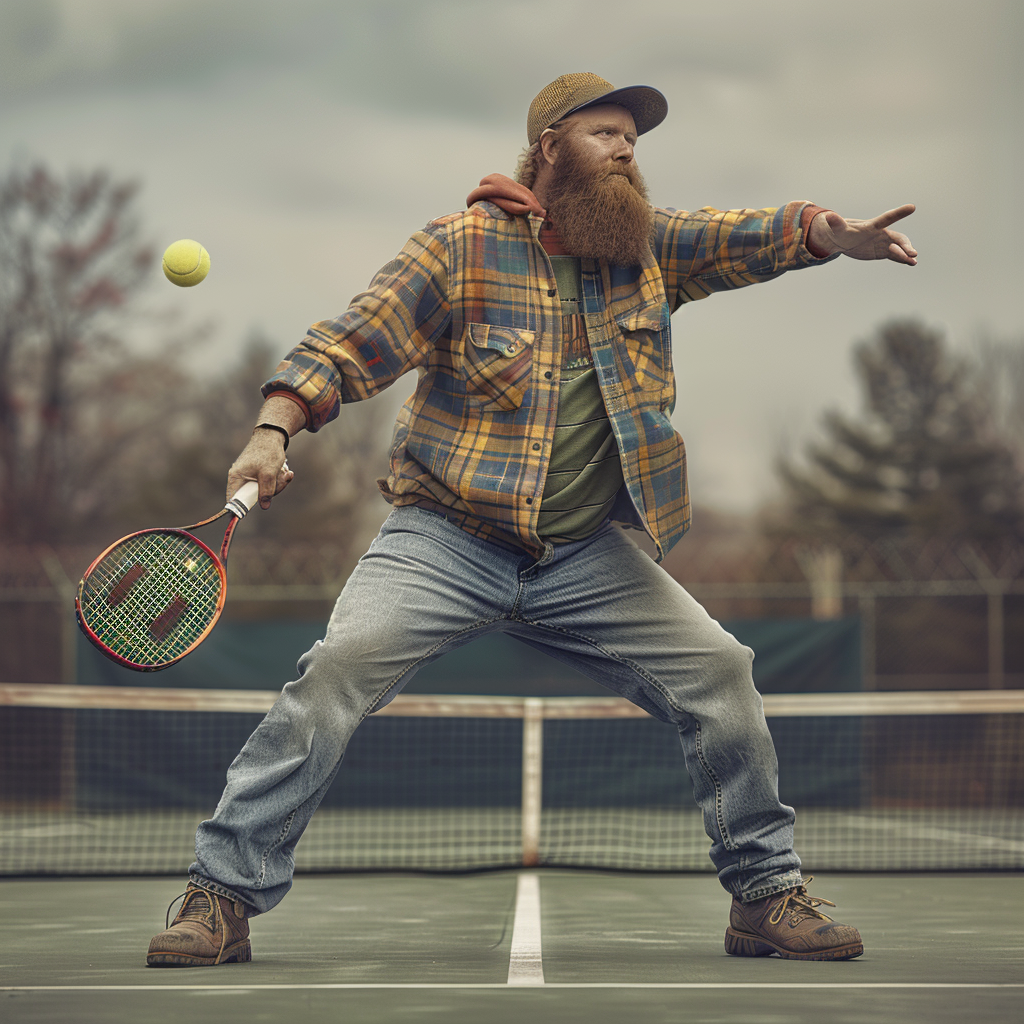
(800, 905)
(199, 905)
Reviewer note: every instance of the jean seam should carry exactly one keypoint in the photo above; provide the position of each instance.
(394, 681)
(719, 813)
(282, 836)
(615, 657)
(514, 614)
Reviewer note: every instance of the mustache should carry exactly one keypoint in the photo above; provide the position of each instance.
(629, 172)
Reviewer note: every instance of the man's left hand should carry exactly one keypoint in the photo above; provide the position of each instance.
(864, 239)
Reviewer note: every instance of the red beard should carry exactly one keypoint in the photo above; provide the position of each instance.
(597, 214)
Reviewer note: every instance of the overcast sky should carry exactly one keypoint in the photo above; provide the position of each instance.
(302, 143)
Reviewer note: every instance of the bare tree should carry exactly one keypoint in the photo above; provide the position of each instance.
(97, 437)
(73, 397)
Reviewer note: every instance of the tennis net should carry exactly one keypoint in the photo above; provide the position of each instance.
(113, 780)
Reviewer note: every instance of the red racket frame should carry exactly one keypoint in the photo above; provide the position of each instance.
(219, 561)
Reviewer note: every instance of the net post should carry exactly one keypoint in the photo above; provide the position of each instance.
(868, 655)
(533, 767)
(869, 681)
(996, 630)
(997, 732)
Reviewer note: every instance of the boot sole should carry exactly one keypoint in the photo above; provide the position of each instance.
(745, 944)
(240, 953)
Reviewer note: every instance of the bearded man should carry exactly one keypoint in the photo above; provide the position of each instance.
(538, 321)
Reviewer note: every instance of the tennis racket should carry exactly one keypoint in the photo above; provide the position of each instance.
(154, 596)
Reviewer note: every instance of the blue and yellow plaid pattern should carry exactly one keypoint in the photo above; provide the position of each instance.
(471, 304)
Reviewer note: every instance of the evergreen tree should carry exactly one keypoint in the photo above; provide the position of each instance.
(925, 457)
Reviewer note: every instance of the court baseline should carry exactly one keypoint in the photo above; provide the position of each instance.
(551, 985)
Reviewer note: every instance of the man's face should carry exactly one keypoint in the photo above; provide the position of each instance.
(595, 194)
(602, 138)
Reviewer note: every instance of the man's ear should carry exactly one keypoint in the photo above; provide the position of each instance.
(549, 146)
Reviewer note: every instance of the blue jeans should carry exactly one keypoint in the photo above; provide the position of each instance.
(601, 605)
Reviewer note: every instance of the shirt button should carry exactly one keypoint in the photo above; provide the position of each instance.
(529, 501)
(536, 447)
(548, 374)
(552, 292)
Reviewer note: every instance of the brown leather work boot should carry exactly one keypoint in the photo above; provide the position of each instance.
(208, 930)
(790, 924)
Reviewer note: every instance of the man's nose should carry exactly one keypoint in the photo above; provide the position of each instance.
(623, 152)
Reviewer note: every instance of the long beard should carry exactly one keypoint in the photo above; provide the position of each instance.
(599, 215)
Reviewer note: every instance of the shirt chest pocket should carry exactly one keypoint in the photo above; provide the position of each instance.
(496, 364)
(645, 338)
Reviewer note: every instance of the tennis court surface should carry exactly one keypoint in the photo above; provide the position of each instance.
(561, 867)
(548, 945)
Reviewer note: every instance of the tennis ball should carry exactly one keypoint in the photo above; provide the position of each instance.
(186, 263)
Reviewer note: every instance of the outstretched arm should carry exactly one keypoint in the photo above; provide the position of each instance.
(863, 239)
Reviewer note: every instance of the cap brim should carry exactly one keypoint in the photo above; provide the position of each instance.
(648, 106)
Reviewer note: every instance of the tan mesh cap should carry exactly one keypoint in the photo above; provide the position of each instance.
(569, 93)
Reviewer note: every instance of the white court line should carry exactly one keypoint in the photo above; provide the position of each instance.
(500, 985)
(525, 966)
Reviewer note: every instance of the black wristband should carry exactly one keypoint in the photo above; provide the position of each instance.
(273, 426)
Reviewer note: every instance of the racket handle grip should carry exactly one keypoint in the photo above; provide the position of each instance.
(243, 499)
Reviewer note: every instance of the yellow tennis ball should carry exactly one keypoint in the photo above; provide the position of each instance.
(186, 263)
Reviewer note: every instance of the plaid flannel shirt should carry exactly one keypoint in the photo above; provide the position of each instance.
(471, 304)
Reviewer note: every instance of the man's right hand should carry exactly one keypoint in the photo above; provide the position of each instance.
(263, 460)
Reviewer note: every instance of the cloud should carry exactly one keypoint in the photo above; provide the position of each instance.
(483, 60)
(302, 143)
(395, 53)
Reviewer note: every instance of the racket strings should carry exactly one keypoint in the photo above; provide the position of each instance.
(166, 590)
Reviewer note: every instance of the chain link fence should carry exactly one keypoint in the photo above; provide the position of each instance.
(933, 614)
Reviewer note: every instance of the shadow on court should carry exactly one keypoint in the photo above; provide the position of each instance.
(615, 947)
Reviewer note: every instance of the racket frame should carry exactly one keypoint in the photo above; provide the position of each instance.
(91, 635)
(236, 508)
